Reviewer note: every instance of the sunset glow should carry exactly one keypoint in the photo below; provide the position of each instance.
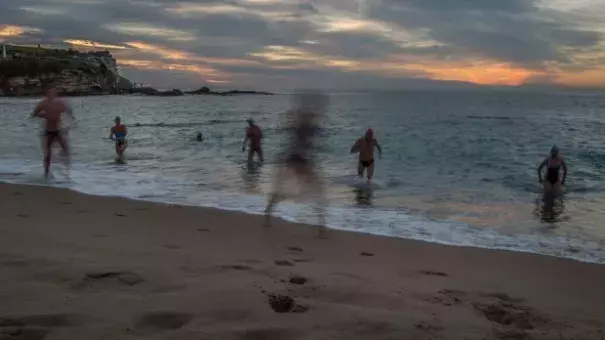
(504, 43)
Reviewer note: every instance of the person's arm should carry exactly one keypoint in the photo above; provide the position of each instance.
(564, 165)
(378, 147)
(245, 141)
(69, 111)
(111, 133)
(542, 165)
(355, 147)
(36, 111)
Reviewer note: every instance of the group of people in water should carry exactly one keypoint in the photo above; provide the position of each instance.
(297, 156)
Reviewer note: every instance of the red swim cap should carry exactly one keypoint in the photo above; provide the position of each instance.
(370, 132)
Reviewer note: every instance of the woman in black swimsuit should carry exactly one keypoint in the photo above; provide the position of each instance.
(553, 165)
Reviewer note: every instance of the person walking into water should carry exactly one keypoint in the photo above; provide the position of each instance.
(553, 164)
(299, 160)
(365, 147)
(118, 134)
(51, 109)
(254, 136)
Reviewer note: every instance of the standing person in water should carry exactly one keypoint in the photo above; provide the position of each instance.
(118, 134)
(553, 165)
(298, 157)
(365, 147)
(51, 109)
(254, 135)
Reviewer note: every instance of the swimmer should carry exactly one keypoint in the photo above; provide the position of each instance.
(254, 135)
(299, 160)
(365, 147)
(553, 165)
(200, 137)
(51, 109)
(118, 134)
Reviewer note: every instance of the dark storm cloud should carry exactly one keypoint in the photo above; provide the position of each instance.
(512, 30)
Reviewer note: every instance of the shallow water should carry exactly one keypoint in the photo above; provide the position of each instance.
(458, 167)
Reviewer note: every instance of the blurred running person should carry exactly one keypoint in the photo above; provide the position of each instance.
(51, 109)
(118, 134)
(254, 136)
(299, 159)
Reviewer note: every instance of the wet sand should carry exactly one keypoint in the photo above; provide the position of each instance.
(74, 266)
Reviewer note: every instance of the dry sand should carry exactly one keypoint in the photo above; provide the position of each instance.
(74, 266)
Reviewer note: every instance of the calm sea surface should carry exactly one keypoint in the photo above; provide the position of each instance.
(458, 167)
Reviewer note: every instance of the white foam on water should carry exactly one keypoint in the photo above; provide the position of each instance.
(107, 180)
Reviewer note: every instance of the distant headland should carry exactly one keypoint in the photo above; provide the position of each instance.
(27, 70)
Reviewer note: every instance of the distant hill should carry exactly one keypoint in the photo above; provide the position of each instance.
(27, 70)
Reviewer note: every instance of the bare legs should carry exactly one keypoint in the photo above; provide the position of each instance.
(313, 186)
(259, 153)
(49, 141)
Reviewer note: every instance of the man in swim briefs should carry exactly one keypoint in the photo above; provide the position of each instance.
(365, 146)
(118, 134)
(254, 135)
(51, 109)
(553, 165)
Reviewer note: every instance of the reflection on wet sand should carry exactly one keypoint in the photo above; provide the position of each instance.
(363, 196)
(251, 176)
(550, 208)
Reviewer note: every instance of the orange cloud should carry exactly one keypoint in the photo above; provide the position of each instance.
(93, 44)
(15, 31)
(589, 78)
(211, 75)
(482, 73)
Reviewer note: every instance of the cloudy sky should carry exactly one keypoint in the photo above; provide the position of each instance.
(269, 44)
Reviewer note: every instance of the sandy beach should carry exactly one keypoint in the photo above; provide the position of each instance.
(74, 266)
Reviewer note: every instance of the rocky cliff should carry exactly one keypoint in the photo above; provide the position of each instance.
(72, 74)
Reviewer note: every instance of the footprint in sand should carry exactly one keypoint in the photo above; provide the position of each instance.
(296, 249)
(120, 215)
(285, 304)
(23, 215)
(163, 320)
(302, 260)
(34, 327)
(511, 315)
(364, 253)
(203, 230)
(284, 263)
(228, 267)
(434, 273)
(125, 278)
(298, 280)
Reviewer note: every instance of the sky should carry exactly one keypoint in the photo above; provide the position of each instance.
(331, 44)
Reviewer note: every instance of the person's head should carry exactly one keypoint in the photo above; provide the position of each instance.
(199, 136)
(554, 151)
(50, 91)
(250, 121)
(369, 134)
(118, 120)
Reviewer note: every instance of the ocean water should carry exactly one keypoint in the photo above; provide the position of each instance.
(458, 167)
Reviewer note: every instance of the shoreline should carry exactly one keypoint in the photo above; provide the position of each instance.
(293, 220)
(83, 266)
